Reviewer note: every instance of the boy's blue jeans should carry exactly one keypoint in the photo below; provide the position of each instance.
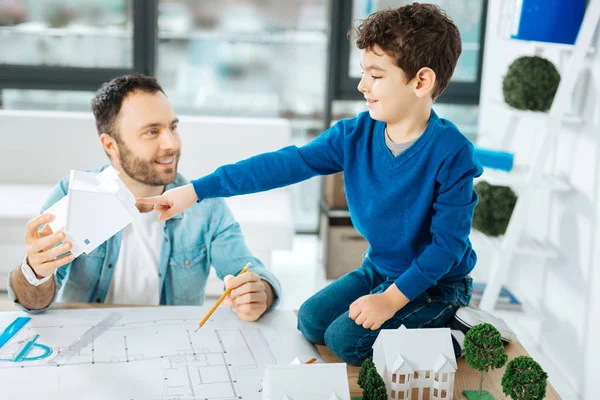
(323, 318)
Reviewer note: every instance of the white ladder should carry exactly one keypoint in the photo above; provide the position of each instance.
(499, 267)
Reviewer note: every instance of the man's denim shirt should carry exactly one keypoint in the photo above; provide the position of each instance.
(205, 234)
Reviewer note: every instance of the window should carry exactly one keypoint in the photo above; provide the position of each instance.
(236, 59)
(69, 34)
(437, 376)
(444, 394)
(428, 374)
(394, 378)
(393, 394)
(435, 392)
(416, 375)
(402, 379)
(444, 377)
(68, 45)
(401, 395)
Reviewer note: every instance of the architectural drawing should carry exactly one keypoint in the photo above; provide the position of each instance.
(306, 382)
(151, 353)
(410, 360)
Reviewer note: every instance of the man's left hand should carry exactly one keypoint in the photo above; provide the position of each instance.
(372, 310)
(250, 297)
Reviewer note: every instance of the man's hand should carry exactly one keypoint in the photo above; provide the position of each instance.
(42, 249)
(372, 310)
(250, 297)
(172, 202)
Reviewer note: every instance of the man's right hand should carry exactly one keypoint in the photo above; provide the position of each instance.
(42, 249)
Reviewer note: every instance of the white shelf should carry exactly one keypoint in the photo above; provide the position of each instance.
(517, 179)
(546, 45)
(501, 105)
(527, 245)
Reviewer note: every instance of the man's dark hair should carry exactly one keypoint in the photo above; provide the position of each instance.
(417, 36)
(107, 102)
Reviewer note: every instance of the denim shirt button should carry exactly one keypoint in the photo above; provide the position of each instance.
(450, 307)
(187, 262)
(109, 266)
(98, 300)
(166, 239)
(429, 300)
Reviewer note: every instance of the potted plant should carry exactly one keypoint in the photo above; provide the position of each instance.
(530, 83)
(494, 209)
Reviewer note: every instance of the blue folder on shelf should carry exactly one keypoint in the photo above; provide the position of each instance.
(495, 159)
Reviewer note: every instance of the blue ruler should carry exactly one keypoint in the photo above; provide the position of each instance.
(12, 329)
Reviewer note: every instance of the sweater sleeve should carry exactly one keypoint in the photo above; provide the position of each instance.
(453, 208)
(289, 165)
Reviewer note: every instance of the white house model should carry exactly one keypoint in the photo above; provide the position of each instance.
(306, 382)
(414, 359)
(96, 207)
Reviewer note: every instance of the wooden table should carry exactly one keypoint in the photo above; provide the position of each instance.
(465, 378)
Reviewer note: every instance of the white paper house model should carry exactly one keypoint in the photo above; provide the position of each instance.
(415, 359)
(306, 382)
(95, 208)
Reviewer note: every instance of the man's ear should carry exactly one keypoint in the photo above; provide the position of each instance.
(424, 82)
(110, 145)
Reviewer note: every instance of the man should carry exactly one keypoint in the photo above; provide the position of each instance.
(149, 262)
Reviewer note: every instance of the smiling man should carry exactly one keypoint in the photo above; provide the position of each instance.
(149, 262)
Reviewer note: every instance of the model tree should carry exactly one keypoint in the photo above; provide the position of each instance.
(524, 379)
(483, 350)
(374, 386)
(364, 368)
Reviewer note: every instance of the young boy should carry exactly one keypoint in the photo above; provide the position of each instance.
(409, 184)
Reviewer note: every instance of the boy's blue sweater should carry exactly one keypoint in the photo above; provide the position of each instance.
(415, 209)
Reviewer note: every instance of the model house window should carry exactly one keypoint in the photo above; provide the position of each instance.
(435, 392)
(402, 379)
(437, 377)
(444, 395)
(444, 377)
(416, 375)
(394, 378)
(428, 374)
(401, 395)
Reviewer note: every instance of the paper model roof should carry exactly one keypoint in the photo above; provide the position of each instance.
(96, 207)
(306, 382)
(419, 349)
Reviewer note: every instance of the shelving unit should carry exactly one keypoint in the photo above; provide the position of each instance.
(531, 178)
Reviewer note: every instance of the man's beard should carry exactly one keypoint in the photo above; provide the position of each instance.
(145, 171)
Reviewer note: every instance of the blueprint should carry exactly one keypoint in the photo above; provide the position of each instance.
(150, 353)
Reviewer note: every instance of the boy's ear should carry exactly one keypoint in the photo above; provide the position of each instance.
(424, 82)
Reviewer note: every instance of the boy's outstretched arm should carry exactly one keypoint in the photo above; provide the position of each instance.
(289, 165)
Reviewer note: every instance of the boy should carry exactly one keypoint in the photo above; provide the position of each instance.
(409, 184)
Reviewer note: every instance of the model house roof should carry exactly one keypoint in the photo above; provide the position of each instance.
(95, 208)
(306, 382)
(417, 349)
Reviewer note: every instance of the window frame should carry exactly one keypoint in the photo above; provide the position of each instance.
(145, 35)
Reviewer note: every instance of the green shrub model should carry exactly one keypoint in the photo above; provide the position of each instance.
(483, 350)
(524, 379)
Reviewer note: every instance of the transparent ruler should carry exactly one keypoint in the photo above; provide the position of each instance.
(88, 337)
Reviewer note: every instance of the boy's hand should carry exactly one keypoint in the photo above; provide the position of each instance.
(172, 202)
(250, 297)
(372, 310)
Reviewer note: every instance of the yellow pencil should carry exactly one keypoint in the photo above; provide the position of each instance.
(214, 307)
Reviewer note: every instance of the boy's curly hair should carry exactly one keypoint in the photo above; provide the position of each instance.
(417, 36)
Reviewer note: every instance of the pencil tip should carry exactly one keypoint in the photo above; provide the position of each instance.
(197, 329)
